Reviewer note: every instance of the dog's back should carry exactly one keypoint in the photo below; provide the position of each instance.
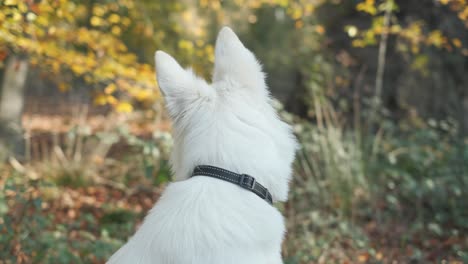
(204, 220)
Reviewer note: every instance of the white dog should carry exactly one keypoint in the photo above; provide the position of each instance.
(232, 125)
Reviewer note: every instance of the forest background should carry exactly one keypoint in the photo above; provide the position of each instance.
(376, 90)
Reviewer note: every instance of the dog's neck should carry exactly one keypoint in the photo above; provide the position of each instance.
(270, 174)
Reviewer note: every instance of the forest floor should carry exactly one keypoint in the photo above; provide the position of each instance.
(90, 220)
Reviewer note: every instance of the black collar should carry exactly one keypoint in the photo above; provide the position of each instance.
(243, 180)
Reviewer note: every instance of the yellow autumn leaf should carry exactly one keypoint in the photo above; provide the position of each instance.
(299, 24)
(358, 43)
(142, 95)
(96, 21)
(186, 45)
(215, 5)
(463, 15)
(99, 10)
(17, 17)
(100, 99)
(78, 69)
(203, 3)
(296, 13)
(363, 257)
(309, 8)
(22, 7)
(63, 87)
(320, 29)
(367, 6)
(116, 30)
(110, 88)
(114, 18)
(456, 42)
(111, 100)
(209, 49)
(124, 107)
(10, 2)
(283, 3)
(126, 21)
(436, 38)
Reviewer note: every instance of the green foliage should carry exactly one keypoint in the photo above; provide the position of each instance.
(416, 173)
(425, 170)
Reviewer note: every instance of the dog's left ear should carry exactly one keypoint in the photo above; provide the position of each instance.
(235, 62)
(171, 76)
(179, 87)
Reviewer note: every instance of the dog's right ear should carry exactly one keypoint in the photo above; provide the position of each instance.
(234, 61)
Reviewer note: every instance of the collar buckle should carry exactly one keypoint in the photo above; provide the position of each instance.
(247, 182)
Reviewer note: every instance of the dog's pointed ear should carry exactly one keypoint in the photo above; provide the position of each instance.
(234, 61)
(171, 76)
(180, 87)
(176, 84)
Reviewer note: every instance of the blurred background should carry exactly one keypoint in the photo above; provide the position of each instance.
(377, 92)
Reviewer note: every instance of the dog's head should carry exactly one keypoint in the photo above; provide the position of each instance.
(229, 123)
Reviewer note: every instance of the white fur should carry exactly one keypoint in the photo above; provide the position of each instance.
(230, 124)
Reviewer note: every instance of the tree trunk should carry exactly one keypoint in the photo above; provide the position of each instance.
(464, 115)
(11, 107)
